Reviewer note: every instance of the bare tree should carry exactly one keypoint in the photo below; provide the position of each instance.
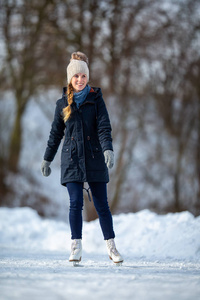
(22, 30)
(176, 91)
(145, 57)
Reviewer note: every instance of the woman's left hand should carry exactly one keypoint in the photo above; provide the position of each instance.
(109, 158)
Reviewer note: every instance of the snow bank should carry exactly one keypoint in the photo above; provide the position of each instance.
(143, 234)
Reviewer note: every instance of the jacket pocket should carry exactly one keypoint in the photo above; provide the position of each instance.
(94, 147)
(69, 152)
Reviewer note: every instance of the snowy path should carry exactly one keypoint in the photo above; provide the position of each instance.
(34, 275)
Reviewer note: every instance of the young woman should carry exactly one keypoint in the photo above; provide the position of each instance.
(87, 152)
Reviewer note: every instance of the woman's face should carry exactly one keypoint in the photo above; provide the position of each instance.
(79, 82)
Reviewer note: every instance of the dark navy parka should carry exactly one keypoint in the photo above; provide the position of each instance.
(87, 135)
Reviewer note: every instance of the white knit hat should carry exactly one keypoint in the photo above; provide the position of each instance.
(77, 66)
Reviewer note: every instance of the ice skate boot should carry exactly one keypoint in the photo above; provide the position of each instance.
(76, 252)
(113, 253)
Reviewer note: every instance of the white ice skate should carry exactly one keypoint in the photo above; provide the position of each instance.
(113, 253)
(76, 252)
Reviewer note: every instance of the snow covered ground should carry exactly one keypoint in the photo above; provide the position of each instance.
(162, 258)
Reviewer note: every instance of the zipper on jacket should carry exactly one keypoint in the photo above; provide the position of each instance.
(92, 153)
(72, 141)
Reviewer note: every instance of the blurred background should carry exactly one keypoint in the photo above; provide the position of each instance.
(145, 55)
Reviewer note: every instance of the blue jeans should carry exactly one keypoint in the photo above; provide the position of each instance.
(99, 195)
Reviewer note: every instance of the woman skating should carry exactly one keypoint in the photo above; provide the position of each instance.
(87, 153)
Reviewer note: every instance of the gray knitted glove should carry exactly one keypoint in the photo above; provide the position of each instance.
(46, 170)
(109, 158)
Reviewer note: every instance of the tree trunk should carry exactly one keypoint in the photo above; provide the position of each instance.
(177, 175)
(90, 213)
(198, 160)
(176, 192)
(120, 171)
(16, 139)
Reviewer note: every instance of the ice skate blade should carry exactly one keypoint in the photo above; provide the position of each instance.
(75, 262)
(119, 264)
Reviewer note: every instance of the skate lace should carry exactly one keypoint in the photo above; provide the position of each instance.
(75, 246)
(112, 247)
(114, 250)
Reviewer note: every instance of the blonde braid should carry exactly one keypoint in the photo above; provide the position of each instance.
(80, 56)
(67, 110)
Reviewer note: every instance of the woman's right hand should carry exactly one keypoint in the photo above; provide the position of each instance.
(46, 170)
